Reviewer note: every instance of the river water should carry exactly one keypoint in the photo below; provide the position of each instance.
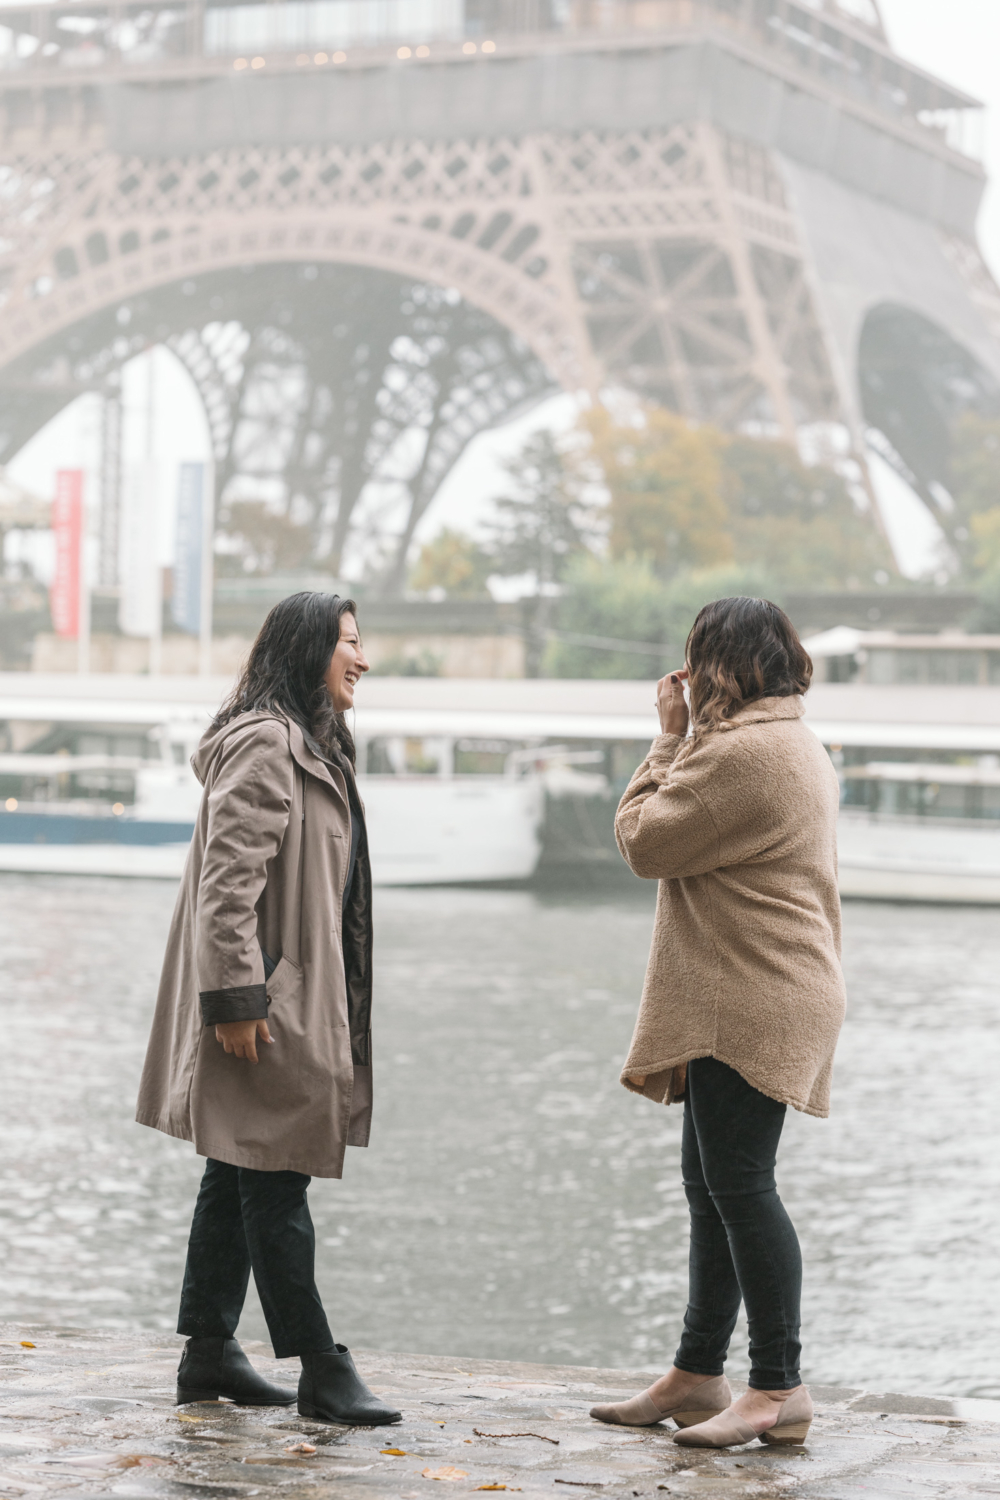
(515, 1201)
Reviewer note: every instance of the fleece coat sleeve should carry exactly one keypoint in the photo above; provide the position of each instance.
(248, 811)
(678, 817)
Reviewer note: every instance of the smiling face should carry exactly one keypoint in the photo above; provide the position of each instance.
(347, 664)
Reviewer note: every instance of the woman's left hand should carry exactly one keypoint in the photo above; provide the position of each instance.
(670, 703)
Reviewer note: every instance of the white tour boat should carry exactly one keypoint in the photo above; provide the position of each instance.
(479, 780)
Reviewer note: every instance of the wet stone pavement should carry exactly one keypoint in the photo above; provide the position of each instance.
(93, 1414)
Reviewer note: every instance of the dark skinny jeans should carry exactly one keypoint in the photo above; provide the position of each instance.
(743, 1244)
(247, 1220)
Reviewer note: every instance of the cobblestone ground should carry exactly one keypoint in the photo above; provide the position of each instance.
(93, 1414)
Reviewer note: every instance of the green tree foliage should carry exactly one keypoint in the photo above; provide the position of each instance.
(542, 523)
(796, 524)
(539, 528)
(688, 497)
(454, 563)
(611, 601)
(975, 466)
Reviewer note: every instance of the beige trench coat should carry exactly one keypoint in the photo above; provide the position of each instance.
(739, 825)
(266, 870)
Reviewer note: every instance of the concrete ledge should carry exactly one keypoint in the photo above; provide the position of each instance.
(93, 1412)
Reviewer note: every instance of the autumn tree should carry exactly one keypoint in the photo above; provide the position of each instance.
(454, 563)
(692, 497)
(667, 489)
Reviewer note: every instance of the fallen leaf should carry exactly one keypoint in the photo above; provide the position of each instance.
(395, 1452)
(491, 1486)
(301, 1448)
(447, 1472)
(25, 1344)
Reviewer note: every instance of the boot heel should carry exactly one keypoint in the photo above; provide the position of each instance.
(692, 1418)
(790, 1433)
(305, 1409)
(184, 1396)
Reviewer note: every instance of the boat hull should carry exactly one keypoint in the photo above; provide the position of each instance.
(421, 831)
(892, 859)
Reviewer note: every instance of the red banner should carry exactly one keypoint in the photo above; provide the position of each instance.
(67, 528)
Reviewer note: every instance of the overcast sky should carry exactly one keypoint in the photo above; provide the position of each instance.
(959, 40)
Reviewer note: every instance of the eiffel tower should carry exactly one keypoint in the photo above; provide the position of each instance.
(371, 229)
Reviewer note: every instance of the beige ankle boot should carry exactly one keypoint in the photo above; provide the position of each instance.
(729, 1429)
(698, 1405)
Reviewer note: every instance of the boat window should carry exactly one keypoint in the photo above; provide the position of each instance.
(993, 667)
(932, 667)
(482, 757)
(406, 755)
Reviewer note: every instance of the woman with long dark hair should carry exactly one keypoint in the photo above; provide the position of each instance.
(743, 1000)
(260, 1051)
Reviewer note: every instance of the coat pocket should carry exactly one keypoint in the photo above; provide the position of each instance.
(285, 981)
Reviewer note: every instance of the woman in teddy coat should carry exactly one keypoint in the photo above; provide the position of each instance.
(743, 999)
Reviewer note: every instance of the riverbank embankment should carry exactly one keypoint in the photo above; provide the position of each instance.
(93, 1414)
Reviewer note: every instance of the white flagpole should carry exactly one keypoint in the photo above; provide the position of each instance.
(207, 569)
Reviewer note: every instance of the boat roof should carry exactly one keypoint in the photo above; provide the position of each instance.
(897, 716)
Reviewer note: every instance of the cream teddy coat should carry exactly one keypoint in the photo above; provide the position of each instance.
(739, 826)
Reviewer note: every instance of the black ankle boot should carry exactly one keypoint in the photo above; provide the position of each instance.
(211, 1368)
(331, 1390)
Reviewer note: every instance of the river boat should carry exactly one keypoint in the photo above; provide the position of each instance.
(469, 781)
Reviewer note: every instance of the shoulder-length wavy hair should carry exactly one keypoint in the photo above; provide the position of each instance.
(740, 650)
(286, 666)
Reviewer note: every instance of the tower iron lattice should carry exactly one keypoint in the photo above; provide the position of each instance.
(368, 247)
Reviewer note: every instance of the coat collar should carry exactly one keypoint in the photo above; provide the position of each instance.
(307, 758)
(764, 711)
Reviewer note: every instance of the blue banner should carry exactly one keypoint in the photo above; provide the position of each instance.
(185, 606)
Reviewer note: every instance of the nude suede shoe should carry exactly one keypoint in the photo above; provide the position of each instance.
(705, 1401)
(729, 1429)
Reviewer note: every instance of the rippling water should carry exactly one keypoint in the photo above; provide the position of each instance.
(516, 1202)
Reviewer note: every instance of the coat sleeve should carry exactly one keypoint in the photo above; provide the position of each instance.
(249, 804)
(662, 827)
(712, 809)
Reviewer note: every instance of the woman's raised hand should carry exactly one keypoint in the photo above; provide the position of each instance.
(670, 703)
(241, 1037)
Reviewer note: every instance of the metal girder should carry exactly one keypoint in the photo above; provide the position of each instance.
(356, 314)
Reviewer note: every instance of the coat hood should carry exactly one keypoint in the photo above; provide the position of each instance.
(215, 737)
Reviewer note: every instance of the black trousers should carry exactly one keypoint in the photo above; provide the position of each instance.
(247, 1220)
(743, 1244)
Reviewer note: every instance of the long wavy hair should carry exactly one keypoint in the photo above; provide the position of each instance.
(286, 666)
(740, 650)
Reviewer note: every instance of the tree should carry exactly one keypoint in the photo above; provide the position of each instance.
(687, 497)
(538, 529)
(796, 523)
(266, 541)
(975, 467)
(666, 482)
(454, 563)
(617, 618)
